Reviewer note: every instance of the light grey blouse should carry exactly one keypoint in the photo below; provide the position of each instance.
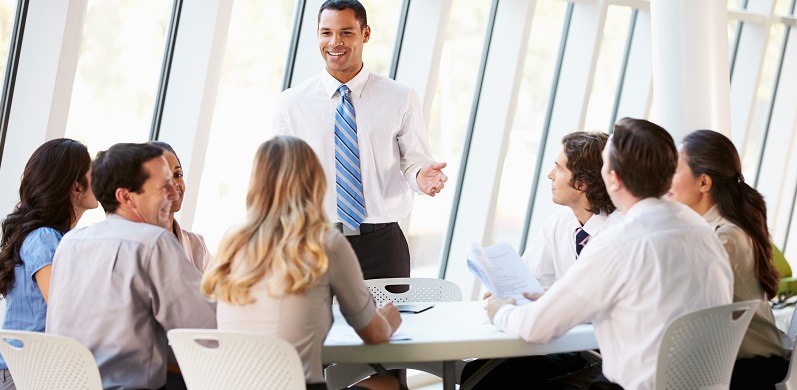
(304, 320)
(762, 338)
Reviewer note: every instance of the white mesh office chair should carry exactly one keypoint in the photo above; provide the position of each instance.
(790, 382)
(793, 326)
(236, 361)
(699, 349)
(47, 361)
(420, 290)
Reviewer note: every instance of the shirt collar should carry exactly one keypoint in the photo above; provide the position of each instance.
(356, 85)
(712, 216)
(595, 222)
(640, 207)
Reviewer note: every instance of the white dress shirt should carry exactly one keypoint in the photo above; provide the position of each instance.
(391, 135)
(553, 250)
(762, 338)
(662, 262)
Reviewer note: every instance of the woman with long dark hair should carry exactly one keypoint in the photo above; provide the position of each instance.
(54, 193)
(709, 180)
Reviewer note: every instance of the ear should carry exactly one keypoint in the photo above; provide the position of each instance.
(705, 182)
(581, 185)
(366, 33)
(122, 195)
(77, 190)
(614, 183)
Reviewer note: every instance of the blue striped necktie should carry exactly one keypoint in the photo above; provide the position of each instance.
(348, 182)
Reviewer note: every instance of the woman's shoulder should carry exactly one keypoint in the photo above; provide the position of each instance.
(43, 236)
(729, 232)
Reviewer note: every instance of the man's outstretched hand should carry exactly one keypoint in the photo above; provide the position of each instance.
(431, 178)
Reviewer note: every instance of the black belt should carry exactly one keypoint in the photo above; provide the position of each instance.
(364, 228)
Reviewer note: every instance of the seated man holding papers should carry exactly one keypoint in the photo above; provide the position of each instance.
(662, 262)
(577, 185)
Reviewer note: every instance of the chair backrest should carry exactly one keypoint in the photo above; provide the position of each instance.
(790, 382)
(237, 360)
(420, 290)
(47, 361)
(793, 326)
(698, 350)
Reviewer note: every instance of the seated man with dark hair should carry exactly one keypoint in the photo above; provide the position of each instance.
(120, 284)
(633, 279)
(586, 212)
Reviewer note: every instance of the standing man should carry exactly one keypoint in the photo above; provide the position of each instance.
(369, 134)
(119, 285)
(663, 261)
(587, 211)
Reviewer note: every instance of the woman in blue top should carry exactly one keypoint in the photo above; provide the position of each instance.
(54, 192)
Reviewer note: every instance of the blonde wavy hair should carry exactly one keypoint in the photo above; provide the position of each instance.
(281, 241)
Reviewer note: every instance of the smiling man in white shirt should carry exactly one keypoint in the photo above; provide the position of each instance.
(369, 134)
(662, 262)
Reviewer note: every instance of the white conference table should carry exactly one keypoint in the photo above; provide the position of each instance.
(448, 332)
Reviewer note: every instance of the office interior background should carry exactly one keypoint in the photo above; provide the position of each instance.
(501, 81)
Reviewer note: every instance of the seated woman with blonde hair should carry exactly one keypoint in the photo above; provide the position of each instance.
(276, 272)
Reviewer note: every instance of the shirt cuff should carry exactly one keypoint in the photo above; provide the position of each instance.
(502, 316)
(412, 177)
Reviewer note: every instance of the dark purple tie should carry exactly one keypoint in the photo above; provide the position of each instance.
(581, 239)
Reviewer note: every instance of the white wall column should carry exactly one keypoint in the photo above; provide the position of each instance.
(191, 93)
(691, 77)
(43, 90)
(493, 123)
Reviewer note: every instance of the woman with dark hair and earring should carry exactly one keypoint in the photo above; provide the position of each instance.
(193, 244)
(709, 180)
(54, 193)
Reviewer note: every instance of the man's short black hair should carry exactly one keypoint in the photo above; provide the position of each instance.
(644, 156)
(121, 166)
(340, 5)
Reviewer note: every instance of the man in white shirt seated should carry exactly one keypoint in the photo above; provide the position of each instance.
(586, 211)
(662, 262)
(120, 284)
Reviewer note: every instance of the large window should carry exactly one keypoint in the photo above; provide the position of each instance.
(118, 72)
(524, 139)
(7, 10)
(448, 123)
(117, 75)
(607, 69)
(250, 82)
